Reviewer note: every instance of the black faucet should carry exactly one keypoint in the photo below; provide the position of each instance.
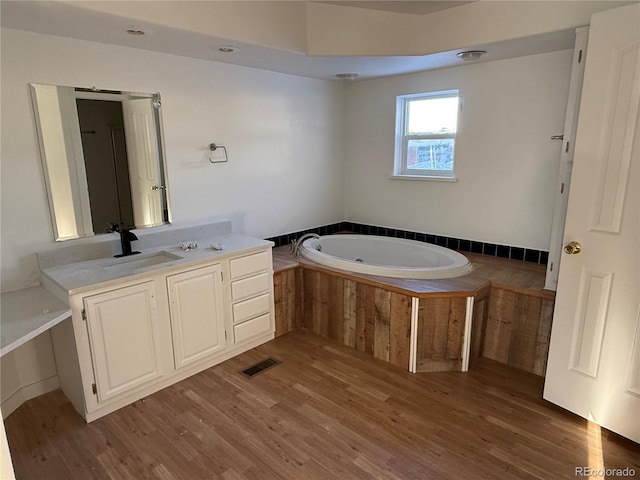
(126, 237)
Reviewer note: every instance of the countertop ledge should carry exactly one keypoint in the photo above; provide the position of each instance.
(27, 313)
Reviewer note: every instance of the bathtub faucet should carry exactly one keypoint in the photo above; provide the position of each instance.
(295, 247)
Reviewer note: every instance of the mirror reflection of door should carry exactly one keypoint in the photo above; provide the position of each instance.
(143, 149)
(105, 152)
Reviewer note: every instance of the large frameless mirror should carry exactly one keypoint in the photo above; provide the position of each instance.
(103, 159)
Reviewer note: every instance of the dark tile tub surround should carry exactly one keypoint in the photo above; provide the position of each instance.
(504, 251)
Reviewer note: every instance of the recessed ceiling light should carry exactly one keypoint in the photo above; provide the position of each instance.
(468, 55)
(347, 76)
(133, 31)
(227, 49)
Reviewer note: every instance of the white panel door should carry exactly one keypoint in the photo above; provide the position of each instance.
(197, 317)
(594, 356)
(124, 339)
(142, 152)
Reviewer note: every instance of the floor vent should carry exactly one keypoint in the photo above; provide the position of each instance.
(260, 367)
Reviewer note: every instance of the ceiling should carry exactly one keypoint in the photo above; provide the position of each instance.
(411, 7)
(85, 21)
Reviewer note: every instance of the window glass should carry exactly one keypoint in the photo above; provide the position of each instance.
(432, 154)
(426, 128)
(432, 116)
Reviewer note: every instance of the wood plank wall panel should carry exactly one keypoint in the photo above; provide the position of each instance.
(440, 333)
(287, 299)
(336, 308)
(497, 338)
(543, 338)
(399, 330)
(382, 322)
(365, 317)
(524, 331)
(518, 329)
(479, 323)
(372, 320)
(349, 313)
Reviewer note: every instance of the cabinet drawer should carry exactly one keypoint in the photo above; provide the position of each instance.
(250, 287)
(251, 308)
(243, 266)
(253, 327)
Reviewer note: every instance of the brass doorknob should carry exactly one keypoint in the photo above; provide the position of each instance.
(572, 248)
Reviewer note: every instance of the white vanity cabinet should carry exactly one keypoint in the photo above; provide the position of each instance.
(197, 316)
(127, 339)
(124, 338)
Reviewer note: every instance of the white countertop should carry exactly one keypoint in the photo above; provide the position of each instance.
(27, 313)
(82, 276)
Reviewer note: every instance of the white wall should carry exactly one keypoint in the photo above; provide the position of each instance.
(505, 162)
(284, 135)
(26, 372)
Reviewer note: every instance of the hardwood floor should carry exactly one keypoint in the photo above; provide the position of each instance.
(325, 412)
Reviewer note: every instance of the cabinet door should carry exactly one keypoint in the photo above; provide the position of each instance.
(197, 319)
(124, 339)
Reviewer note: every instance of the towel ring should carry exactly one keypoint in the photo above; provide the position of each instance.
(213, 147)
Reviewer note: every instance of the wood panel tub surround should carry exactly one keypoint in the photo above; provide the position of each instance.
(378, 322)
(439, 342)
(372, 320)
(441, 324)
(518, 329)
(479, 321)
(287, 290)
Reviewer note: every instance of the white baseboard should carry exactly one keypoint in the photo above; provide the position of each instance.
(27, 392)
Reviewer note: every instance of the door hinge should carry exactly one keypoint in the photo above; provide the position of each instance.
(551, 267)
(225, 334)
(580, 56)
(94, 389)
(221, 276)
(566, 150)
(84, 315)
(562, 188)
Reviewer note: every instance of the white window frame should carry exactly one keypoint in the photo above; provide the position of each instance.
(402, 139)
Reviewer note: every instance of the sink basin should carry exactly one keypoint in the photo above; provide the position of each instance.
(137, 262)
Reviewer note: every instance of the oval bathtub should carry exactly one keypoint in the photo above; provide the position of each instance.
(386, 256)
